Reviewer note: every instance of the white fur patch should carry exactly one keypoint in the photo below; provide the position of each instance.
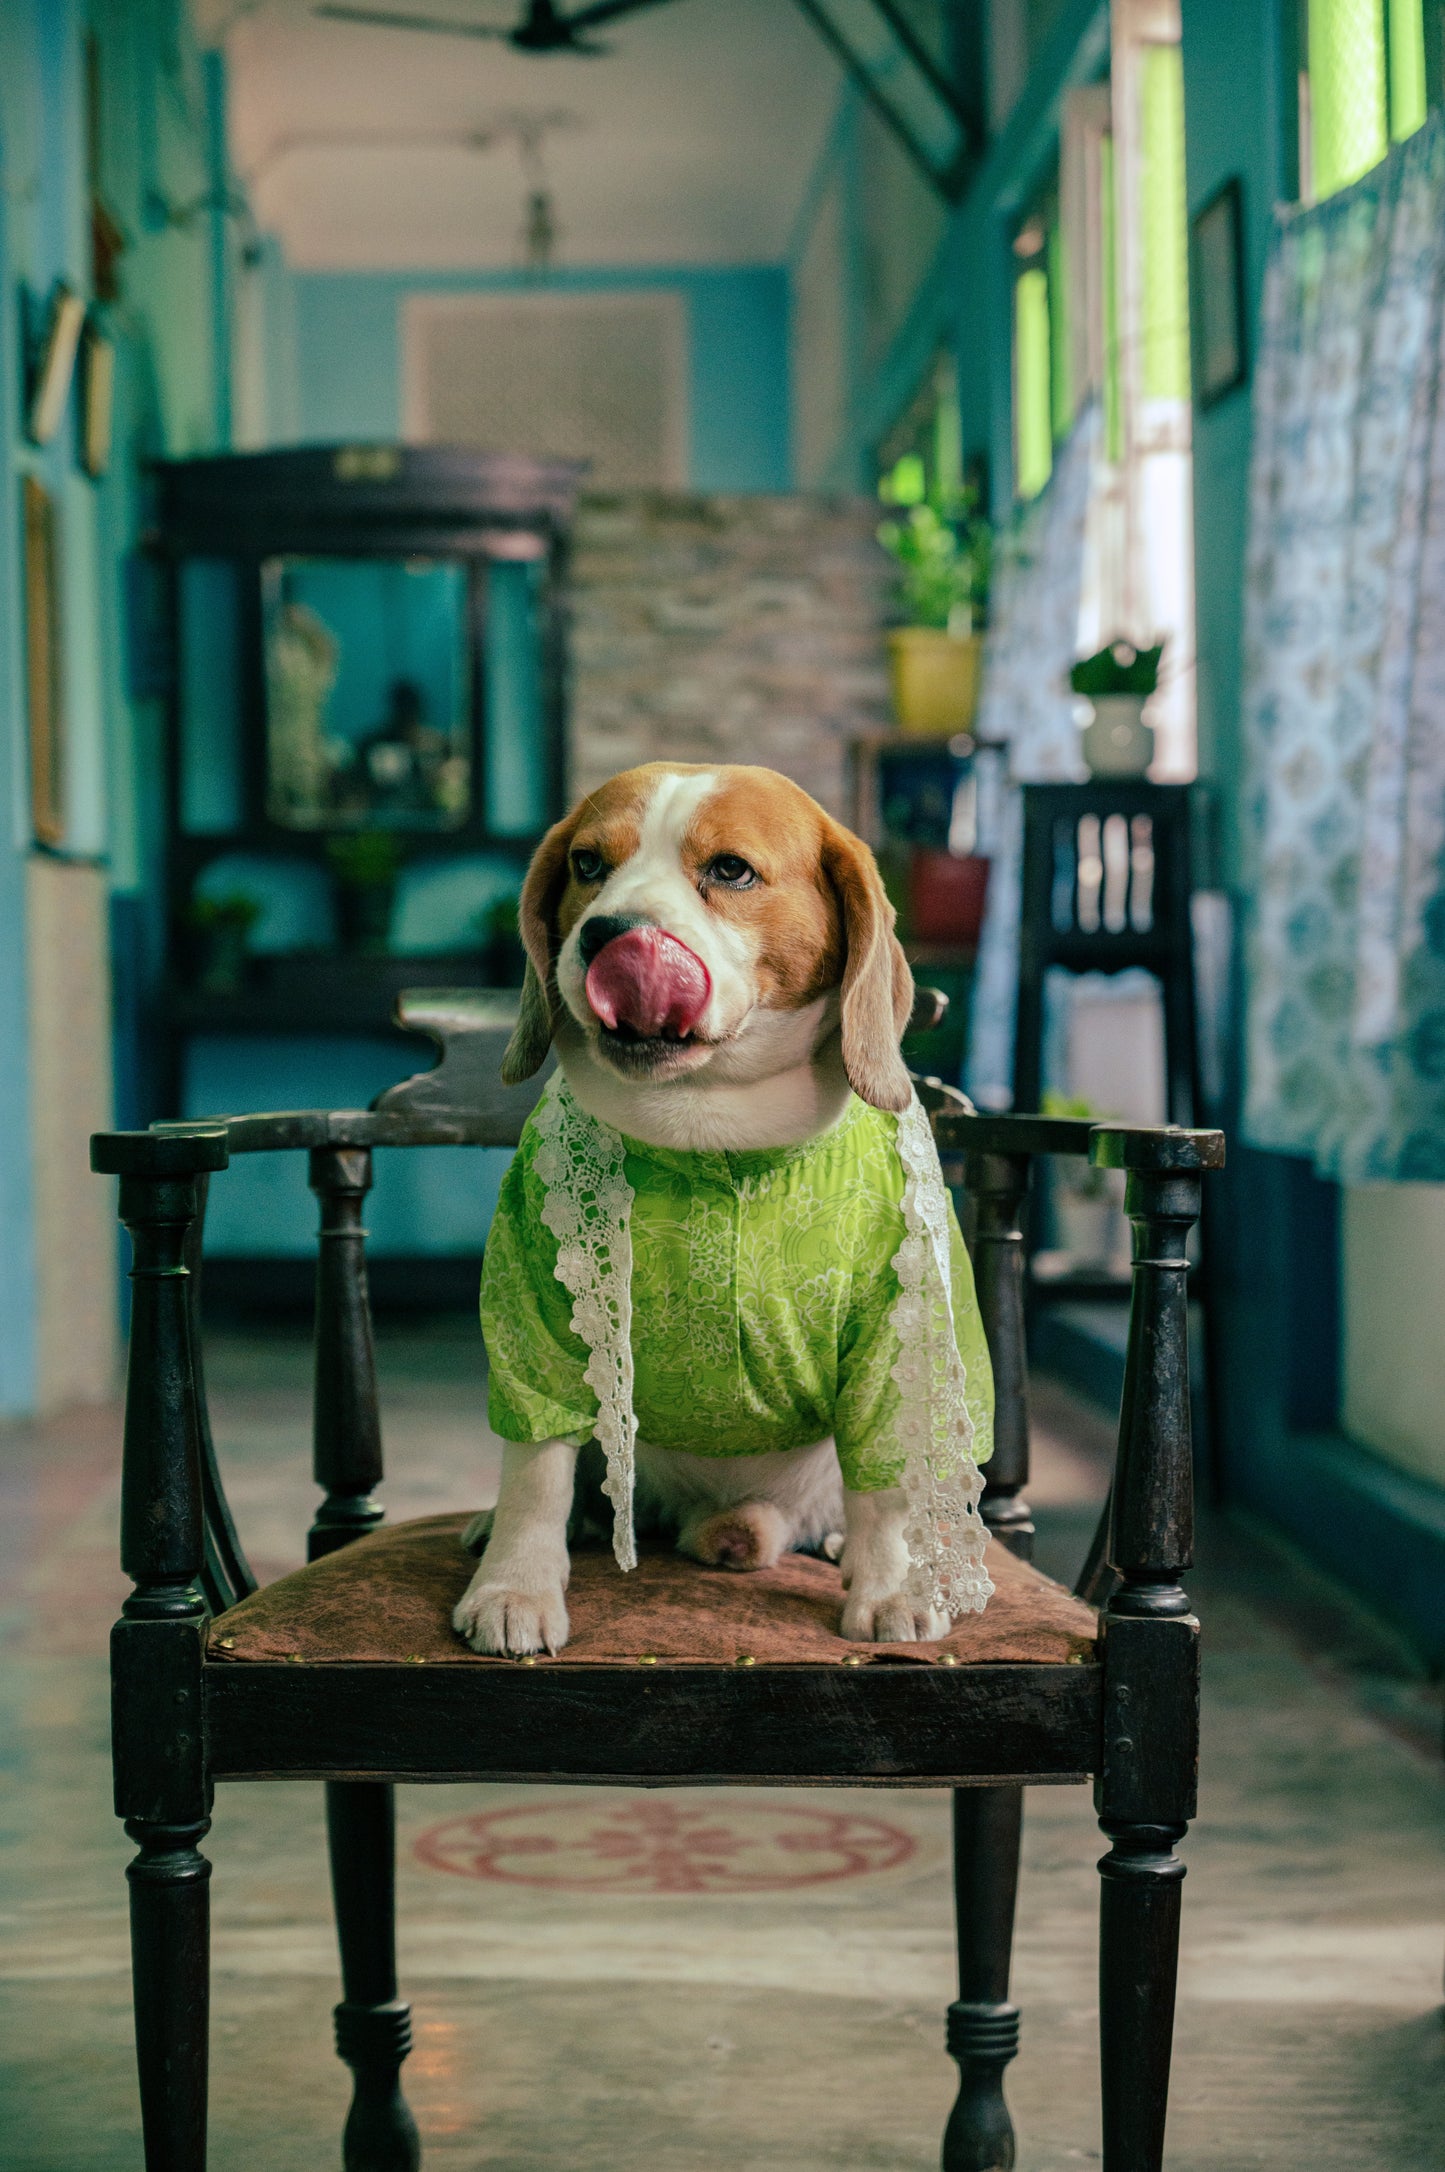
(767, 1078)
(654, 884)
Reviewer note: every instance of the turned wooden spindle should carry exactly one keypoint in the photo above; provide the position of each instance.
(162, 1788)
(373, 2026)
(1151, 1533)
(226, 1574)
(1149, 1645)
(346, 1416)
(998, 1184)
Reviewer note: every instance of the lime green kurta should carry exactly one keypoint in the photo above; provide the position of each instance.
(762, 1285)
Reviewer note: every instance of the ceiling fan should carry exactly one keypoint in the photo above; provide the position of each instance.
(543, 27)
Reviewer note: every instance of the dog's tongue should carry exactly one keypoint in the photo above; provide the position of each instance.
(649, 981)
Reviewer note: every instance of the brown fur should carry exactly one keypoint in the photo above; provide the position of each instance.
(536, 917)
(819, 915)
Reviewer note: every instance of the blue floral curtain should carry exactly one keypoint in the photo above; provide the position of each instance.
(1345, 682)
(1026, 705)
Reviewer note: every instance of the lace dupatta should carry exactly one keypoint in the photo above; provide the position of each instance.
(588, 1208)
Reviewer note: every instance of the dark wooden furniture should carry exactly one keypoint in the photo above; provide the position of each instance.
(231, 530)
(1106, 886)
(185, 1717)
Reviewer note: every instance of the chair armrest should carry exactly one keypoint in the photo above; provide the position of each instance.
(176, 1152)
(966, 1131)
(462, 1098)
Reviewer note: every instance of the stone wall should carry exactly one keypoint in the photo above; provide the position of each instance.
(726, 629)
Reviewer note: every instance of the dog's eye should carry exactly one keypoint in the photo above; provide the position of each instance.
(731, 869)
(588, 866)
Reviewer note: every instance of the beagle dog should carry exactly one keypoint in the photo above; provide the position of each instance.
(713, 958)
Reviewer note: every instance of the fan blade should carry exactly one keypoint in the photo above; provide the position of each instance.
(604, 11)
(385, 19)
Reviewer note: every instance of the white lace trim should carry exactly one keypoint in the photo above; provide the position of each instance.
(588, 1207)
(945, 1533)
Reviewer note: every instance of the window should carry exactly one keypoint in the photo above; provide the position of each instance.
(1163, 219)
(1043, 372)
(1033, 414)
(922, 455)
(1362, 86)
(597, 377)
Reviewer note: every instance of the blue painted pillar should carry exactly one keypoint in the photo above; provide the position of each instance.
(218, 185)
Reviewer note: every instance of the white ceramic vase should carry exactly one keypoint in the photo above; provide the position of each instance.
(1118, 743)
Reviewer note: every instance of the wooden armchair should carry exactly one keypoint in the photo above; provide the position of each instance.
(348, 1671)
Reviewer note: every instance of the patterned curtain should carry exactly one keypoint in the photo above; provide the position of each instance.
(1026, 706)
(1345, 682)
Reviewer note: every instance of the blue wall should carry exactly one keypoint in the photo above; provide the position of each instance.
(17, 1228)
(1234, 111)
(348, 357)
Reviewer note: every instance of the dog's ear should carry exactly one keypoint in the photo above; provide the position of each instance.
(877, 987)
(537, 922)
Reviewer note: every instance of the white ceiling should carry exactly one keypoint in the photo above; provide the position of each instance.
(691, 142)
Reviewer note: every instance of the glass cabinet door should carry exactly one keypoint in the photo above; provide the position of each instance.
(368, 692)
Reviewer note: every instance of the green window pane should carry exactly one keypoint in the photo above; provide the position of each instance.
(1407, 67)
(1348, 134)
(1061, 375)
(1164, 229)
(948, 442)
(1113, 384)
(1033, 422)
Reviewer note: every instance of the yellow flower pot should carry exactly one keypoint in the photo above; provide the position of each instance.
(935, 680)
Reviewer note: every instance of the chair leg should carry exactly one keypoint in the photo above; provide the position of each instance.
(170, 1937)
(983, 2027)
(373, 2027)
(1138, 1963)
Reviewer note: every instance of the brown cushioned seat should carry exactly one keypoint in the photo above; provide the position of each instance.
(390, 1598)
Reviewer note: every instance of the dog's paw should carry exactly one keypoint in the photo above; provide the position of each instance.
(751, 1535)
(509, 1623)
(478, 1531)
(832, 1546)
(894, 1619)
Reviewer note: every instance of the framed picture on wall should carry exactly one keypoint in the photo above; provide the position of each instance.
(1216, 247)
(54, 364)
(45, 705)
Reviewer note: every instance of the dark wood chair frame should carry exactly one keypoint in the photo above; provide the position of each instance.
(1129, 1720)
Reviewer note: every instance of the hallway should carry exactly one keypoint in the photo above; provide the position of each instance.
(680, 1981)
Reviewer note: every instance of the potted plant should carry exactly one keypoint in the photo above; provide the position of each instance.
(1118, 682)
(220, 931)
(364, 868)
(504, 960)
(941, 546)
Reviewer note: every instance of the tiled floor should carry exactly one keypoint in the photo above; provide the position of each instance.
(739, 1982)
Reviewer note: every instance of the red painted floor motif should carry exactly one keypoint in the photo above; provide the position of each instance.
(599, 1845)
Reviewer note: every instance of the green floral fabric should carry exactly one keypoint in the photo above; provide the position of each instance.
(762, 1285)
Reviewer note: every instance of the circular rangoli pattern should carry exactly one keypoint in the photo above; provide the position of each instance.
(655, 1844)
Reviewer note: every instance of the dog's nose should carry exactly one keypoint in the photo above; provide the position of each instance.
(648, 983)
(604, 928)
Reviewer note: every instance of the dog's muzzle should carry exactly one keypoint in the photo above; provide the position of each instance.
(647, 984)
